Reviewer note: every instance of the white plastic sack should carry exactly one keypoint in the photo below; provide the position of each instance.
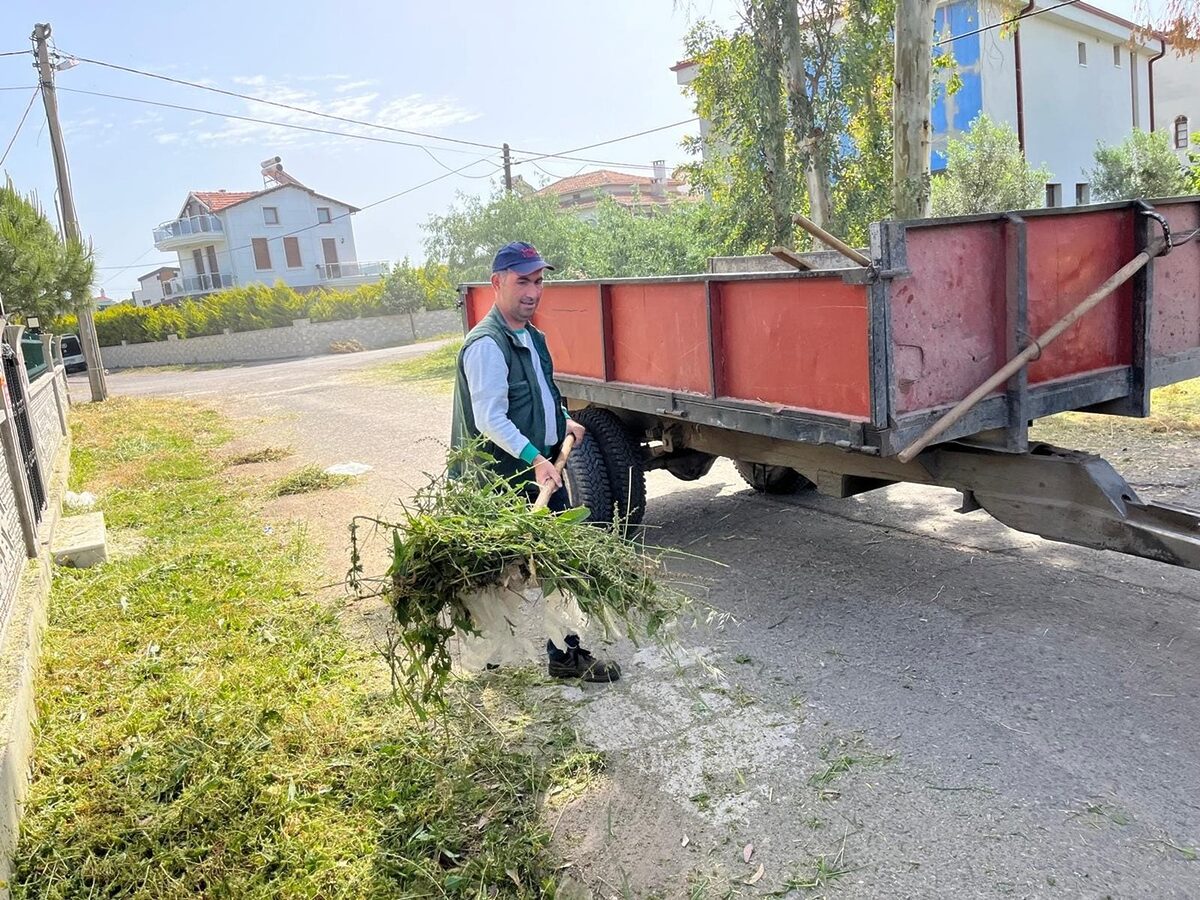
(514, 619)
(348, 468)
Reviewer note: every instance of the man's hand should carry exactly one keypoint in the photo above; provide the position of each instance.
(543, 471)
(577, 430)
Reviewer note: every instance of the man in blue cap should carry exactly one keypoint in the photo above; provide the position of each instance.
(505, 392)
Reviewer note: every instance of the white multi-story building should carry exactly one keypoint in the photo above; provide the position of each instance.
(1177, 101)
(1070, 77)
(155, 287)
(287, 232)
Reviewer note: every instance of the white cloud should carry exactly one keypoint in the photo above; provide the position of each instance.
(352, 100)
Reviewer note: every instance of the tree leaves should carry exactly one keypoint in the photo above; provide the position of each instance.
(40, 275)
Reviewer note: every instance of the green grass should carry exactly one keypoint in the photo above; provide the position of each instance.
(435, 369)
(307, 479)
(206, 730)
(1175, 410)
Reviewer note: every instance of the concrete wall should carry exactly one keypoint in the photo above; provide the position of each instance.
(300, 339)
(12, 542)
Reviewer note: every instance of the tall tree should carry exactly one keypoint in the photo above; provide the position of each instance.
(807, 82)
(40, 274)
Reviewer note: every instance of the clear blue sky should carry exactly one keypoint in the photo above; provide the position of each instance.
(542, 75)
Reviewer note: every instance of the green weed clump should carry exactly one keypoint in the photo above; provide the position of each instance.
(307, 479)
(462, 534)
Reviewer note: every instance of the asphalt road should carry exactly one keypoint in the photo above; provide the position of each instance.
(908, 702)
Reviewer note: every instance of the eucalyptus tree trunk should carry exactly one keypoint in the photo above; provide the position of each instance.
(911, 108)
(805, 130)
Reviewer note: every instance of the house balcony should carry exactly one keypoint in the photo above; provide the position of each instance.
(191, 285)
(188, 232)
(349, 273)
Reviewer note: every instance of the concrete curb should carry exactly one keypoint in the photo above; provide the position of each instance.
(19, 654)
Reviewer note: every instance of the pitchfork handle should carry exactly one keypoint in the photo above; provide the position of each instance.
(548, 489)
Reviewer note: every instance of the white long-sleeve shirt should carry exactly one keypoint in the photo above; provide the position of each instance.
(487, 380)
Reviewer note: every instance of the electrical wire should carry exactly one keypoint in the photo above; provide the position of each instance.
(368, 124)
(16, 53)
(19, 87)
(625, 137)
(1028, 15)
(20, 124)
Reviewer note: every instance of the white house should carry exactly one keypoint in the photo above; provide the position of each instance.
(155, 287)
(580, 194)
(1069, 77)
(1177, 101)
(286, 232)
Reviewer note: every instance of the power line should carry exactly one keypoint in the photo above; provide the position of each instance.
(368, 124)
(18, 87)
(24, 115)
(626, 137)
(226, 115)
(288, 106)
(1028, 15)
(17, 53)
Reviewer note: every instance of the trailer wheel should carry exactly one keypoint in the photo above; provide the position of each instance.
(586, 478)
(772, 479)
(623, 459)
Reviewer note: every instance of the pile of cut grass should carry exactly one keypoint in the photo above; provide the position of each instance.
(205, 730)
(263, 454)
(469, 532)
(1175, 411)
(306, 480)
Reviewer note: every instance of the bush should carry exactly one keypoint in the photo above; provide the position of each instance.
(247, 308)
(1144, 166)
(986, 172)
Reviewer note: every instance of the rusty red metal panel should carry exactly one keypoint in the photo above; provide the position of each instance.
(571, 317)
(948, 318)
(479, 301)
(1071, 255)
(660, 335)
(1175, 317)
(800, 343)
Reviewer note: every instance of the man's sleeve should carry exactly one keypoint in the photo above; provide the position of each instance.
(487, 381)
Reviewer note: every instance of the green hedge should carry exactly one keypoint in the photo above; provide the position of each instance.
(247, 308)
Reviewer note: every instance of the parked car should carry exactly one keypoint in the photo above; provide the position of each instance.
(72, 352)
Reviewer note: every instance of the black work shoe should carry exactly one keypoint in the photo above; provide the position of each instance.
(579, 663)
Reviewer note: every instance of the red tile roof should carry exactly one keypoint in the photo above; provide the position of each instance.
(218, 200)
(594, 180)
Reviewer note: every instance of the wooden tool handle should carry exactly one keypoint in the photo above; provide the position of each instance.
(829, 240)
(548, 489)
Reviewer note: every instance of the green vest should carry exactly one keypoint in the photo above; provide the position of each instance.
(525, 407)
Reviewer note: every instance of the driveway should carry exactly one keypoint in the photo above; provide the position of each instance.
(900, 701)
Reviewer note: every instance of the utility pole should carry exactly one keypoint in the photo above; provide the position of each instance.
(507, 170)
(87, 327)
(910, 108)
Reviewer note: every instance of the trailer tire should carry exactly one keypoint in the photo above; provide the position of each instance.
(772, 479)
(622, 458)
(586, 478)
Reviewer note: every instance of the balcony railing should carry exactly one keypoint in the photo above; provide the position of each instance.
(334, 271)
(187, 230)
(197, 284)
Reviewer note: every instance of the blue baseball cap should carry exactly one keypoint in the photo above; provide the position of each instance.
(521, 257)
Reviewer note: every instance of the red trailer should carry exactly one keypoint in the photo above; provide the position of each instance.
(824, 378)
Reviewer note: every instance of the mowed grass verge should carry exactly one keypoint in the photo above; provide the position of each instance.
(205, 730)
(435, 369)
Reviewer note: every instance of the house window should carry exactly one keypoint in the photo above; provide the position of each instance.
(1054, 195)
(291, 250)
(1181, 132)
(1082, 50)
(1117, 55)
(323, 217)
(1083, 194)
(271, 215)
(262, 255)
